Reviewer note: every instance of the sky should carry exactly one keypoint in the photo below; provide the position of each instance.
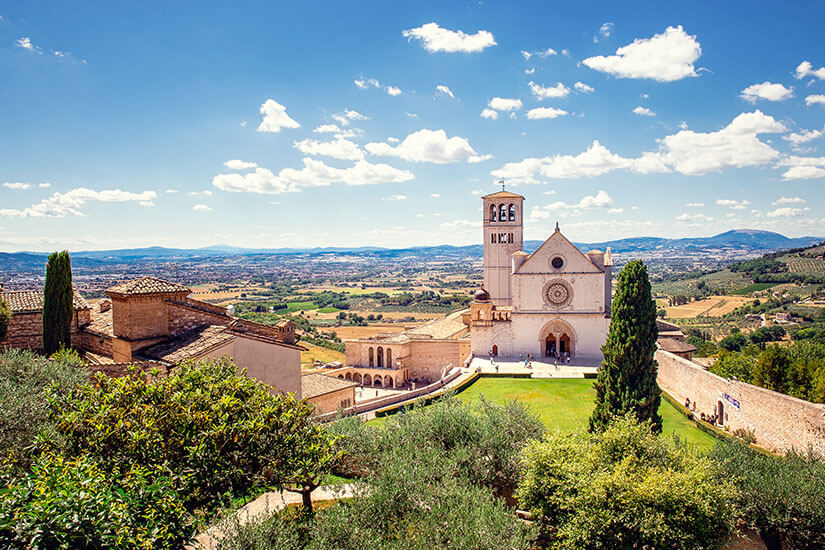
(374, 123)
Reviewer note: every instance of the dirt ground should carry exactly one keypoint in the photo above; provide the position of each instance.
(712, 306)
(317, 353)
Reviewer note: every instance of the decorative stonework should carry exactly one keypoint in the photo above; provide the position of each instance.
(557, 293)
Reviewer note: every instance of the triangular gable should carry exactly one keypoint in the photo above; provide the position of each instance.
(575, 261)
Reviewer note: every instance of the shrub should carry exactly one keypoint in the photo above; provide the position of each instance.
(625, 488)
(211, 430)
(734, 342)
(74, 503)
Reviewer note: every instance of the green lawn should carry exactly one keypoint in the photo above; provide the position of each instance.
(566, 404)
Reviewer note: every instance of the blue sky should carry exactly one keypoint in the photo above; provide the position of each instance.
(314, 124)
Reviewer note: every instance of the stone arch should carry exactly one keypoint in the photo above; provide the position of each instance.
(380, 357)
(341, 376)
(495, 350)
(367, 381)
(389, 358)
(511, 211)
(372, 357)
(348, 376)
(377, 381)
(550, 338)
(357, 378)
(492, 212)
(502, 213)
(388, 383)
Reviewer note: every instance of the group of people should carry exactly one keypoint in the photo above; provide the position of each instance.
(712, 419)
(528, 359)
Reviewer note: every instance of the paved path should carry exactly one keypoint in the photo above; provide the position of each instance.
(540, 369)
(266, 505)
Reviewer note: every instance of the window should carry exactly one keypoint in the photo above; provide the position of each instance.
(492, 212)
(557, 262)
(510, 238)
(502, 237)
(502, 213)
(493, 238)
(372, 359)
(380, 356)
(512, 212)
(389, 358)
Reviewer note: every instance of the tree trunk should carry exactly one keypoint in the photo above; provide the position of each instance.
(306, 494)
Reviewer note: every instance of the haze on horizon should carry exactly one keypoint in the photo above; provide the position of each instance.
(271, 126)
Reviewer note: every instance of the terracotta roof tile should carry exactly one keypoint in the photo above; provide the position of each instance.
(189, 344)
(314, 385)
(30, 301)
(147, 285)
(675, 346)
(503, 195)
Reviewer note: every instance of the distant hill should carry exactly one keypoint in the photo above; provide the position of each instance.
(744, 241)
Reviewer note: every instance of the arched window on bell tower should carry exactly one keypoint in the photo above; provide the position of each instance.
(492, 212)
(512, 209)
(502, 213)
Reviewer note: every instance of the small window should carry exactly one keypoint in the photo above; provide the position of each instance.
(509, 238)
(502, 237)
(492, 212)
(512, 210)
(557, 262)
(493, 238)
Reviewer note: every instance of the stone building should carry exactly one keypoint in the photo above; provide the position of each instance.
(328, 393)
(25, 330)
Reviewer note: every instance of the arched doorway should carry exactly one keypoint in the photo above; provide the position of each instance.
(372, 358)
(388, 382)
(564, 344)
(720, 412)
(495, 350)
(380, 356)
(550, 345)
(367, 380)
(389, 358)
(557, 339)
(377, 382)
(356, 377)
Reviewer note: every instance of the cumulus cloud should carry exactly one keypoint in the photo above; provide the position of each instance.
(435, 195)
(438, 39)
(69, 203)
(806, 69)
(327, 129)
(643, 111)
(542, 53)
(237, 164)
(545, 92)
(275, 117)
(733, 204)
(685, 217)
(561, 208)
(505, 104)
(428, 146)
(545, 112)
(803, 168)
(815, 99)
(664, 57)
(595, 161)
(26, 43)
(393, 90)
(789, 200)
(18, 185)
(583, 88)
(444, 90)
(315, 173)
(44, 185)
(395, 198)
(803, 136)
(339, 148)
(201, 208)
(604, 31)
(787, 212)
(695, 204)
(767, 91)
(489, 113)
(347, 116)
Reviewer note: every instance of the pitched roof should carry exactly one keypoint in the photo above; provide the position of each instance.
(674, 345)
(147, 285)
(502, 195)
(314, 385)
(189, 345)
(31, 301)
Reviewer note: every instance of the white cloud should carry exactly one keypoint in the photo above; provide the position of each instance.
(789, 200)
(348, 115)
(438, 39)
(315, 173)
(69, 203)
(803, 136)
(803, 168)
(44, 185)
(275, 117)
(563, 209)
(733, 204)
(365, 83)
(327, 129)
(479, 158)
(815, 99)
(583, 88)
(444, 90)
(205, 192)
(767, 91)
(616, 211)
(543, 53)
(787, 212)
(339, 148)
(19, 185)
(806, 69)
(435, 195)
(489, 113)
(643, 111)
(664, 57)
(25, 43)
(201, 208)
(412, 115)
(542, 92)
(146, 204)
(531, 70)
(695, 204)
(604, 31)
(393, 90)
(595, 161)
(477, 192)
(685, 217)
(428, 146)
(171, 191)
(395, 198)
(505, 104)
(545, 112)
(237, 164)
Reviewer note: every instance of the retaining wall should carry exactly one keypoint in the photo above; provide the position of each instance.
(779, 422)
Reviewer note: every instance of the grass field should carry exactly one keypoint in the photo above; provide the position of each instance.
(566, 405)
(317, 353)
(755, 287)
(712, 306)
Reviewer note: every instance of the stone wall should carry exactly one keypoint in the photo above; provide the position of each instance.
(779, 422)
(185, 316)
(25, 330)
(332, 401)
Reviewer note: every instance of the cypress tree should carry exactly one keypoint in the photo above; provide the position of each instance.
(626, 383)
(57, 303)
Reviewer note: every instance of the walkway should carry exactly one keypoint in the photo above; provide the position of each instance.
(577, 368)
(264, 506)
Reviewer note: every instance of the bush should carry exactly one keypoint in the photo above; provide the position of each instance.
(65, 503)
(625, 488)
(211, 430)
(25, 381)
(783, 499)
(734, 342)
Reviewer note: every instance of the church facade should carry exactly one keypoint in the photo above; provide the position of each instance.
(553, 303)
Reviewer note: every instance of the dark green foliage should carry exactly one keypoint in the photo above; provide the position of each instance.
(5, 316)
(627, 377)
(734, 365)
(783, 499)
(209, 429)
(624, 488)
(771, 369)
(734, 342)
(57, 303)
(76, 504)
(25, 381)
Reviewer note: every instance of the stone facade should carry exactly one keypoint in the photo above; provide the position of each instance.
(25, 330)
(779, 422)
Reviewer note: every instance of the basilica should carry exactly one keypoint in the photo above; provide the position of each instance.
(552, 305)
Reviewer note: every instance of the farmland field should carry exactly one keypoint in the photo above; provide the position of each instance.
(726, 280)
(317, 353)
(713, 306)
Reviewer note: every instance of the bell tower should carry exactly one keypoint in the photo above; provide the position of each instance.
(503, 235)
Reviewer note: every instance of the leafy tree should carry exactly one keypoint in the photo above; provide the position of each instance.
(783, 499)
(210, 429)
(626, 381)
(5, 316)
(312, 456)
(767, 334)
(732, 364)
(771, 369)
(625, 488)
(57, 303)
(734, 342)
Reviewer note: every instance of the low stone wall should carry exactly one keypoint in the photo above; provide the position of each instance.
(25, 330)
(779, 422)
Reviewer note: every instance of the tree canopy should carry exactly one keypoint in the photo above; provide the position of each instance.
(57, 303)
